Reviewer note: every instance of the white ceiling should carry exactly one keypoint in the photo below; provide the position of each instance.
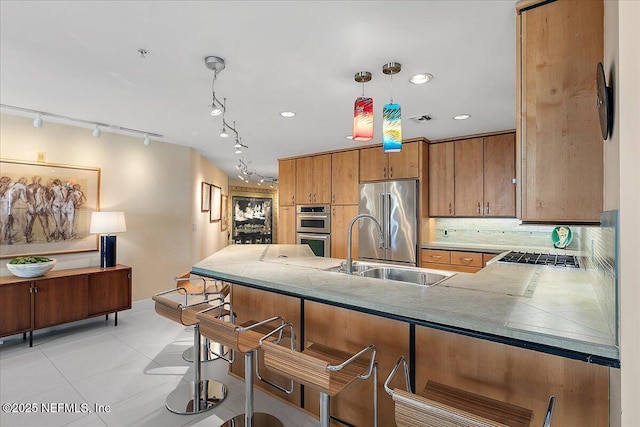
(80, 59)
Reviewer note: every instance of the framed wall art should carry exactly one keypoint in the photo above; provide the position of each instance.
(252, 220)
(45, 208)
(214, 213)
(224, 216)
(205, 197)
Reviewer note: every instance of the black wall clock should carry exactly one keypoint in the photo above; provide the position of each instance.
(604, 102)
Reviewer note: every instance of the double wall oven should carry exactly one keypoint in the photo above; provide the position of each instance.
(313, 227)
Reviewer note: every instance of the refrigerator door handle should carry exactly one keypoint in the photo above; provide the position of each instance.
(387, 220)
(381, 209)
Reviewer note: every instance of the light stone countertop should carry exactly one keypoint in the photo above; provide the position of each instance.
(547, 306)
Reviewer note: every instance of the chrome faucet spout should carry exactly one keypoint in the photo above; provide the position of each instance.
(350, 232)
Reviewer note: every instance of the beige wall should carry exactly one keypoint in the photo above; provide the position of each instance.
(157, 186)
(622, 177)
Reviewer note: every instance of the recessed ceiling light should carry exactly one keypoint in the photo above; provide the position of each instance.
(461, 117)
(349, 137)
(421, 78)
(287, 114)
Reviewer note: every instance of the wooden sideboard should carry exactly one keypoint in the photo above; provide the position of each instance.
(62, 296)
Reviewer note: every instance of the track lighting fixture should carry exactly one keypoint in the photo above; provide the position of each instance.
(147, 140)
(96, 125)
(217, 64)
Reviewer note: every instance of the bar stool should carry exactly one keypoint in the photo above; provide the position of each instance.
(443, 406)
(202, 394)
(322, 368)
(244, 339)
(198, 285)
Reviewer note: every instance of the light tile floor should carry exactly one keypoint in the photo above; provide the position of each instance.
(130, 368)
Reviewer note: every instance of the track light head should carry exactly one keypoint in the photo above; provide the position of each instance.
(147, 140)
(215, 111)
(96, 131)
(37, 122)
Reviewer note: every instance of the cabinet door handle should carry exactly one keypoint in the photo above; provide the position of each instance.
(314, 197)
(391, 172)
(488, 209)
(479, 208)
(293, 200)
(449, 207)
(384, 172)
(309, 196)
(333, 198)
(466, 259)
(436, 256)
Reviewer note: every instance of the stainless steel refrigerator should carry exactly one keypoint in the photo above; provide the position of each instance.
(395, 205)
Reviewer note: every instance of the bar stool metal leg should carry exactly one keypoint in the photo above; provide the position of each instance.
(249, 418)
(200, 395)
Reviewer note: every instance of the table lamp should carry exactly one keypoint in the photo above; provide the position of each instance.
(105, 224)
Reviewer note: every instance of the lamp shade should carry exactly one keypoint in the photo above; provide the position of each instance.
(391, 128)
(363, 119)
(107, 222)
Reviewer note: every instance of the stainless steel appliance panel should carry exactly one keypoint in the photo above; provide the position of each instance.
(372, 203)
(394, 204)
(313, 219)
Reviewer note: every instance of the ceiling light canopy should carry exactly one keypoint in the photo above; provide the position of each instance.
(421, 78)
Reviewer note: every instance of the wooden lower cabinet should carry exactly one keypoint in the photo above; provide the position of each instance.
(341, 216)
(514, 375)
(14, 319)
(466, 262)
(287, 225)
(60, 300)
(352, 331)
(62, 296)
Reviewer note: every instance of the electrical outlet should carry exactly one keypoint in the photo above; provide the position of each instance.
(42, 156)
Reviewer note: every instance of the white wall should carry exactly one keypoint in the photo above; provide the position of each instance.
(154, 185)
(628, 94)
(622, 178)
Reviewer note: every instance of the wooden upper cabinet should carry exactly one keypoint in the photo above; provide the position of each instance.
(441, 179)
(373, 164)
(376, 165)
(345, 178)
(406, 163)
(468, 177)
(473, 177)
(313, 179)
(286, 182)
(499, 190)
(559, 45)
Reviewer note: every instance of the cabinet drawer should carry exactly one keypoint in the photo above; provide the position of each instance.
(436, 256)
(470, 259)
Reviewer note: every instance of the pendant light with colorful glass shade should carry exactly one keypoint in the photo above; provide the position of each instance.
(363, 112)
(391, 117)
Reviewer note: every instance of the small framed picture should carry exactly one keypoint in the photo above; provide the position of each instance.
(224, 215)
(205, 197)
(214, 213)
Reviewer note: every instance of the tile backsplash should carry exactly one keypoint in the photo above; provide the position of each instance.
(509, 233)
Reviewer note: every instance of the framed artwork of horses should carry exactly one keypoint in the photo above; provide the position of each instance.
(45, 208)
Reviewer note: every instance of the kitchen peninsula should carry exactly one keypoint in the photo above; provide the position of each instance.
(511, 332)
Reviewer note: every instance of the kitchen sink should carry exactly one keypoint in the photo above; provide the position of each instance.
(412, 275)
(417, 277)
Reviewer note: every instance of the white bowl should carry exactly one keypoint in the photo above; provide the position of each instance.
(31, 270)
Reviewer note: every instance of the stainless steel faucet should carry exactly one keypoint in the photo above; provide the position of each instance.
(350, 232)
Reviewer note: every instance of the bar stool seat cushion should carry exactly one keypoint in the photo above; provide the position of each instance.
(309, 367)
